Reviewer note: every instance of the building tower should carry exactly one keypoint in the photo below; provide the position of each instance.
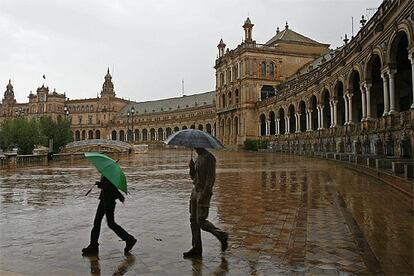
(248, 28)
(221, 48)
(108, 86)
(9, 93)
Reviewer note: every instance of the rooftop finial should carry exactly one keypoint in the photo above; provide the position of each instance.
(277, 30)
(287, 25)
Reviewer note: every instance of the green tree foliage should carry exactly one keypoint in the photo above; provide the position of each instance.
(255, 145)
(29, 133)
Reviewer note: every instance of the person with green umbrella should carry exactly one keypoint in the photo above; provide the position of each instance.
(107, 201)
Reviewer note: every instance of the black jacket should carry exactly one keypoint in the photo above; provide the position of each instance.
(108, 191)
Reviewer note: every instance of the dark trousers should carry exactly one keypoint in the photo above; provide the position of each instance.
(107, 209)
(198, 222)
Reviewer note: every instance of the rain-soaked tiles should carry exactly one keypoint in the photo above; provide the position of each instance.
(285, 215)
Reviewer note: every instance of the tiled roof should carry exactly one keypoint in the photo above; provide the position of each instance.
(171, 104)
(287, 35)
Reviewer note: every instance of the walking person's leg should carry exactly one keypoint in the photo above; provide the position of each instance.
(207, 226)
(197, 249)
(122, 234)
(93, 247)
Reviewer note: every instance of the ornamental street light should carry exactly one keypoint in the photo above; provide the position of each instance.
(128, 133)
(132, 122)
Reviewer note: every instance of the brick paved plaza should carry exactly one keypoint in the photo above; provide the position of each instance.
(285, 215)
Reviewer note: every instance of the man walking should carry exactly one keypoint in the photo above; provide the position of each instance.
(106, 207)
(203, 174)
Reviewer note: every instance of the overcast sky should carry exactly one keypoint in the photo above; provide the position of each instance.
(149, 45)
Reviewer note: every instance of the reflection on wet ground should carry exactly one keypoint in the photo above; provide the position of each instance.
(285, 215)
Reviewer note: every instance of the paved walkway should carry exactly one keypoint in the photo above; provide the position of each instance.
(285, 215)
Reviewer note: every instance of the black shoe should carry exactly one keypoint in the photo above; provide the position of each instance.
(193, 253)
(92, 249)
(224, 242)
(129, 244)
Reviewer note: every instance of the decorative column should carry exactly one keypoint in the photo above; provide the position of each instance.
(319, 116)
(298, 126)
(267, 128)
(364, 103)
(156, 135)
(260, 129)
(322, 123)
(335, 113)
(350, 109)
(346, 110)
(287, 120)
(368, 96)
(308, 120)
(331, 112)
(392, 90)
(411, 57)
(277, 126)
(384, 77)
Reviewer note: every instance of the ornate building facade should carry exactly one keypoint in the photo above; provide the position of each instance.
(292, 91)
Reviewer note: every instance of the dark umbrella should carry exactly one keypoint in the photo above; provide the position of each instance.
(193, 138)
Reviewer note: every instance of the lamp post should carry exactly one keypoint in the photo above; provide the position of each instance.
(66, 111)
(129, 114)
(132, 122)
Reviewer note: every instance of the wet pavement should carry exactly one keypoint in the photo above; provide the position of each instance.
(285, 215)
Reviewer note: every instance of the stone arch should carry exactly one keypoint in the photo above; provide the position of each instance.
(228, 130)
(160, 134)
(405, 28)
(400, 64)
(208, 128)
(326, 110)
(168, 132)
(338, 93)
(282, 122)
(184, 127)
(292, 119)
(144, 134)
(302, 118)
(77, 135)
(354, 88)
(152, 134)
(113, 135)
(262, 120)
(313, 107)
(97, 134)
(121, 135)
(376, 53)
(272, 124)
(200, 127)
(176, 129)
(136, 135)
(375, 84)
(83, 135)
(90, 134)
(192, 126)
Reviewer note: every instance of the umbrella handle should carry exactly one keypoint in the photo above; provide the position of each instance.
(90, 190)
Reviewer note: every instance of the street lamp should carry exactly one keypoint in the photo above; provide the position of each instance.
(132, 122)
(129, 114)
(66, 111)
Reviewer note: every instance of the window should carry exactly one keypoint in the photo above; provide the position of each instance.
(272, 70)
(223, 100)
(263, 69)
(90, 119)
(80, 119)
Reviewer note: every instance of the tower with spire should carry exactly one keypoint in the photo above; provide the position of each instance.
(221, 46)
(108, 86)
(9, 93)
(248, 29)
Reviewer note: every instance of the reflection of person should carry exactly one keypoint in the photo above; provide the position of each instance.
(203, 173)
(122, 268)
(106, 207)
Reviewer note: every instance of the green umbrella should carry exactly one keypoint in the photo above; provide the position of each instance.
(108, 168)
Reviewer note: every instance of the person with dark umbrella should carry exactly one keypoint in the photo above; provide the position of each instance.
(203, 174)
(106, 207)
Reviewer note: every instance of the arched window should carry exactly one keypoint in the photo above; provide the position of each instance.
(223, 100)
(263, 69)
(272, 70)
